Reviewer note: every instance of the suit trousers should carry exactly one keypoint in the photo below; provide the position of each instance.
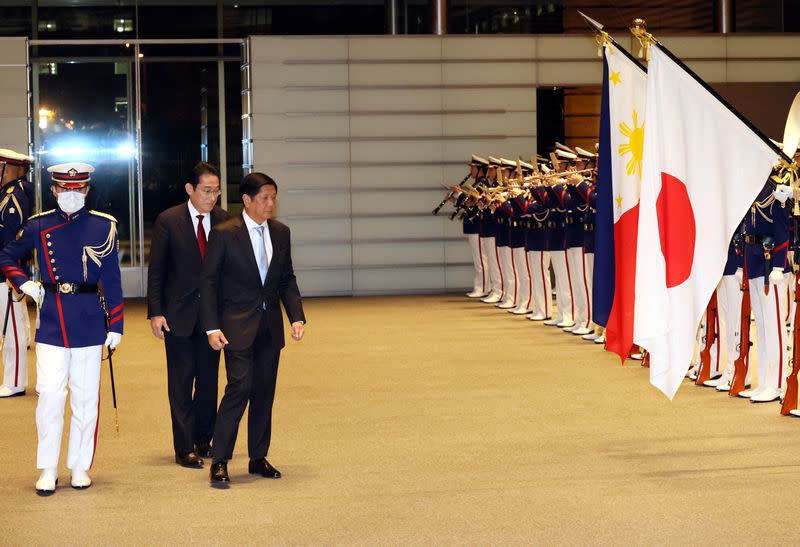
(252, 374)
(191, 365)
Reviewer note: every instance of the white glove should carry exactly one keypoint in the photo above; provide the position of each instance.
(782, 192)
(112, 340)
(33, 289)
(776, 275)
(739, 275)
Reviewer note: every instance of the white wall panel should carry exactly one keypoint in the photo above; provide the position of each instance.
(401, 48)
(320, 229)
(398, 228)
(381, 176)
(328, 254)
(489, 47)
(279, 75)
(409, 125)
(332, 281)
(278, 101)
(393, 74)
(482, 73)
(458, 277)
(280, 126)
(281, 151)
(411, 202)
(400, 279)
(508, 123)
(278, 49)
(315, 203)
(490, 98)
(424, 150)
(395, 99)
(380, 254)
(305, 177)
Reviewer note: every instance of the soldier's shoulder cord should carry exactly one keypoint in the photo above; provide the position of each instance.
(103, 215)
(43, 213)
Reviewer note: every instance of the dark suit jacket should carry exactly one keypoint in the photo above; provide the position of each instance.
(173, 278)
(232, 295)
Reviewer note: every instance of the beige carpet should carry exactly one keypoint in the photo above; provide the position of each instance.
(426, 420)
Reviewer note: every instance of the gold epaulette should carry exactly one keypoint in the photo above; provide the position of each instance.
(43, 213)
(104, 215)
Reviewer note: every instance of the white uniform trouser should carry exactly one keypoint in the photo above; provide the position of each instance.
(15, 347)
(564, 281)
(729, 306)
(522, 286)
(507, 271)
(489, 250)
(480, 282)
(542, 291)
(581, 265)
(57, 368)
(769, 311)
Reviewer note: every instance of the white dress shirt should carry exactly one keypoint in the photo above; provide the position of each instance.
(254, 239)
(206, 219)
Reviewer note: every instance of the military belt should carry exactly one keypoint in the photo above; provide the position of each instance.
(753, 239)
(69, 288)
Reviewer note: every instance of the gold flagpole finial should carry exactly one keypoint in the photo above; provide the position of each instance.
(638, 28)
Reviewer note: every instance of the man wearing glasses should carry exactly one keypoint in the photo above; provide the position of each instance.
(180, 236)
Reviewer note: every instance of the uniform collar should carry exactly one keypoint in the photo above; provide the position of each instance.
(74, 216)
(9, 183)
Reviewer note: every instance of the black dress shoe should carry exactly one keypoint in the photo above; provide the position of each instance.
(219, 474)
(190, 459)
(262, 467)
(203, 450)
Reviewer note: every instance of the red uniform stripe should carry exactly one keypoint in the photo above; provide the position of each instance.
(118, 308)
(530, 281)
(544, 285)
(514, 269)
(483, 270)
(780, 338)
(499, 267)
(16, 343)
(586, 289)
(569, 278)
(42, 236)
(117, 319)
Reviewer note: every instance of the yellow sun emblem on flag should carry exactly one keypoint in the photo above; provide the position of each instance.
(634, 146)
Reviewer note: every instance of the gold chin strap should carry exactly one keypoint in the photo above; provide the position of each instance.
(100, 251)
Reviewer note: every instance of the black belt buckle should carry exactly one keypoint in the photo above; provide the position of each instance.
(67, 288)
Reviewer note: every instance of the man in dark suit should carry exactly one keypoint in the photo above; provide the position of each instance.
(173, 307)
(247, 273)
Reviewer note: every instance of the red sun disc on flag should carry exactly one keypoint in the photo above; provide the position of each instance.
(676, 229)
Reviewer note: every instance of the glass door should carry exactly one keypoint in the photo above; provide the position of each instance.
(84, 111)
(143, 114)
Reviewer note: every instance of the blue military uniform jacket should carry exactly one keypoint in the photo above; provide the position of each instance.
(767, 218)
(16, 205)
(78, 248)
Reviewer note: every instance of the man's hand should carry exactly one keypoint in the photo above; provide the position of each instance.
(298, 328)
(112, 340)
(217, 340)
(158, 323)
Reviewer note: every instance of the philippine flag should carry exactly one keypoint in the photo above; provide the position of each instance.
(703, 167)
(618, 181)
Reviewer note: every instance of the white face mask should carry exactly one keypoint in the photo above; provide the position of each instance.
(70, 202)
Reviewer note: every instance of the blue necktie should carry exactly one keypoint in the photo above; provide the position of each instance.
(261, 253)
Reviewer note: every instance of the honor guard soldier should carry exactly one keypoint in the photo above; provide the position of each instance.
(538, 250)
(560, 204)
(488, 229)
(16, 204)
(766, 242)
(471, 228)
(81, 311)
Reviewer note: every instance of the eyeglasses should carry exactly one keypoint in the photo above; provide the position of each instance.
(209, 193)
